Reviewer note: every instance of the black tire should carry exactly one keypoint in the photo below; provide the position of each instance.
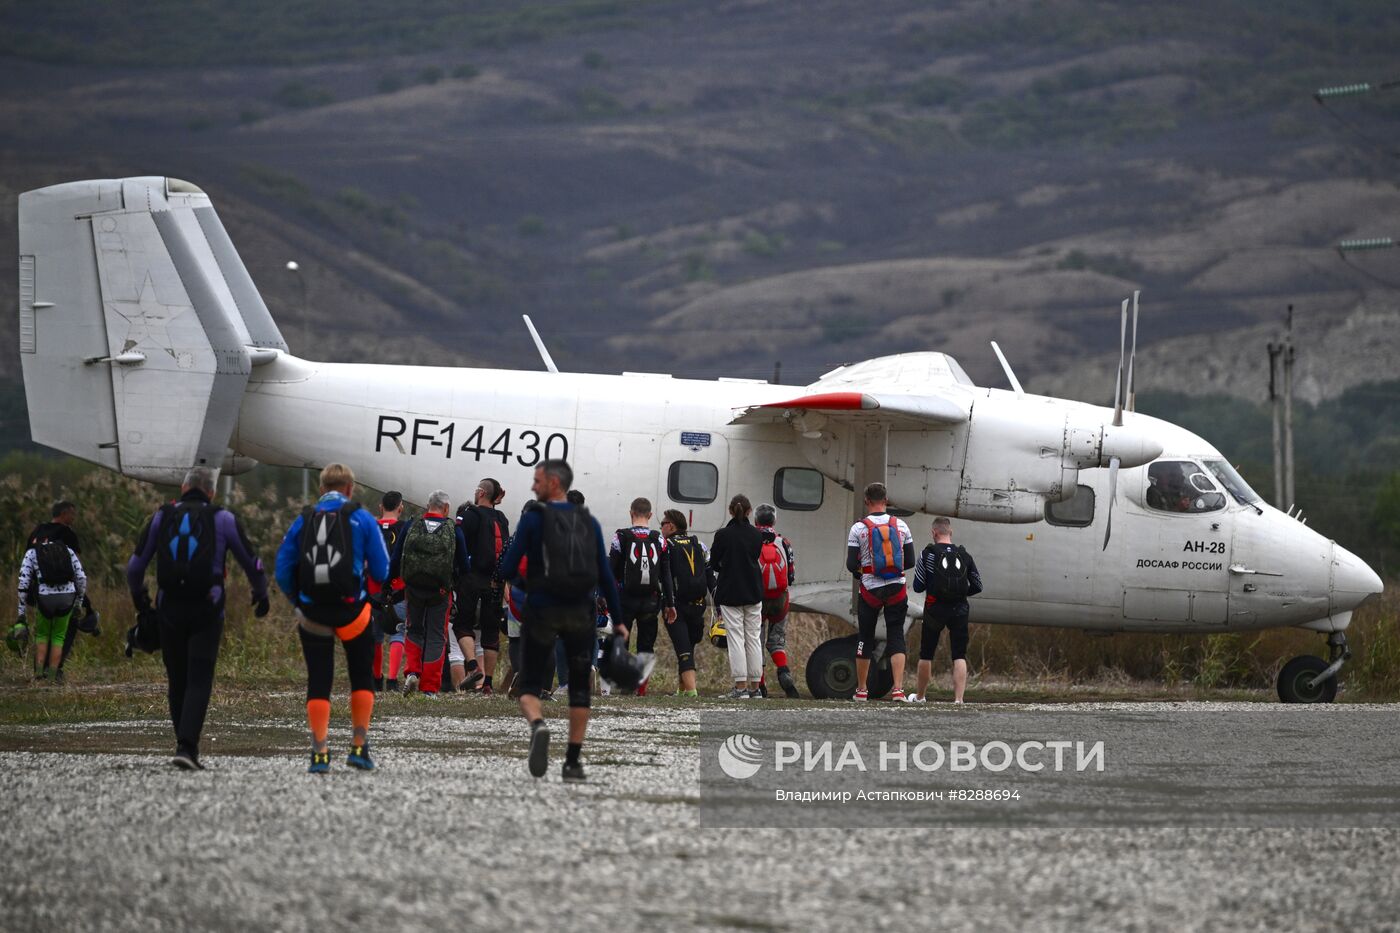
(1293, 681)
(831, 669)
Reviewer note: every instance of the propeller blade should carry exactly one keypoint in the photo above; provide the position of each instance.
(1132, 355)
(1122, 352)
(1112, 494)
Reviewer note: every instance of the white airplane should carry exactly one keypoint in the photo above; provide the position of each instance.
(147, 349)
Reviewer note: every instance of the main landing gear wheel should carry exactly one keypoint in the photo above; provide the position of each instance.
(1295, 681)
(831, 672)
(831, 669)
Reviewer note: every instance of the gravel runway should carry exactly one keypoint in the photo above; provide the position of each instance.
(450, 833)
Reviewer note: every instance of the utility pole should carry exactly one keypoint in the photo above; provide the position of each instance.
(1281, 358)
(1288, 488)
(778, 373)
(1276, 402)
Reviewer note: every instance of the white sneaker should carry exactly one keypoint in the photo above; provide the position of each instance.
(410, 683)
(958, 702)
(915, 698)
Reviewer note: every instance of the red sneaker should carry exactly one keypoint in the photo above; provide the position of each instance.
(862, 695)
(897, 695)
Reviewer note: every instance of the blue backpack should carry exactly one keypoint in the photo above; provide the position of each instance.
(886, 550)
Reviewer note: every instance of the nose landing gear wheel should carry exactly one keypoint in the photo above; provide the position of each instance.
(1294, 681)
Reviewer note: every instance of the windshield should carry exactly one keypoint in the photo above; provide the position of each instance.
(1232, 481)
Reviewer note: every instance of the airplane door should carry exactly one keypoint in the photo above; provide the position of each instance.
(1177, 566)
(694, 478)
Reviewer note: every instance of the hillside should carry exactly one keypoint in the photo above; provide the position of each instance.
(714, 188)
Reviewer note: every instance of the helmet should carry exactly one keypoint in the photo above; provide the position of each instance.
(717, 632)
(144, 636)
(89, 621)
(17, 638)
(621, 668)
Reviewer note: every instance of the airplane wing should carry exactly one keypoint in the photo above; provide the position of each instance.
(907, 390)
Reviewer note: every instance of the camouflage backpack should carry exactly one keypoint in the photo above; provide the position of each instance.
(428, 554)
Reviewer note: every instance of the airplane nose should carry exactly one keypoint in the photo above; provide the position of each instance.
(1353, 581)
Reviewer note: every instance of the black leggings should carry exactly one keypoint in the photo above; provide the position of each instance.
(686, 633)
(868, 617)
(189, 645)
(319, 651)
(574, 624)
(639, 615)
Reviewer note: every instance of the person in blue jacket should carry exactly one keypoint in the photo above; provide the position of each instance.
(549, 615)
(332, 602)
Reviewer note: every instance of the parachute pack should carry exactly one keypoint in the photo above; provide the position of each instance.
(948, 573)
(687, 568)
(641, 561)
(886, 550)
(773, 567)
(54, 564)
(185, 550)
(429, 551)
(326, 566)
(569, 547)
(490, 539)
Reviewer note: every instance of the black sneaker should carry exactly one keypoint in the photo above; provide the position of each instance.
(472, 679)
(573, 772)
(789, 688)
(58, 675)
(379, 685)
(186, 761)
(392, 685)
(539, 749)
(320, 763)
(762, 690)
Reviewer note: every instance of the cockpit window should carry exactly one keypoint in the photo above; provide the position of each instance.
(1181, 486)
(1232, 481)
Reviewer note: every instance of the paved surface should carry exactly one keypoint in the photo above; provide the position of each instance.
(451, 833)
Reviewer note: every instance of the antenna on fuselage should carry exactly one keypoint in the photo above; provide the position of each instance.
(539, 345)
(1006, 367)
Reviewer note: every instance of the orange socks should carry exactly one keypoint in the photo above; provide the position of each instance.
(361, 708)
(318, 717)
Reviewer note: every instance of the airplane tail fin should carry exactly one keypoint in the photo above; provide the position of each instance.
(139, 325)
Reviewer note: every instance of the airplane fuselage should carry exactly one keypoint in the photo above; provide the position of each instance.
(1234, 567)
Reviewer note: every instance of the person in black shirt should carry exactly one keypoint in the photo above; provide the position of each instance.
(949, 575)
(642, 569)
(480, 604)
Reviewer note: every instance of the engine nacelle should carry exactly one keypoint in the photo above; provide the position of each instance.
(1012, 456)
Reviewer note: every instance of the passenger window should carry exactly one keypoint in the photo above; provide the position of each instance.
(798, 489)
(1181, 486)
(1075, 512)
(692, 481)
